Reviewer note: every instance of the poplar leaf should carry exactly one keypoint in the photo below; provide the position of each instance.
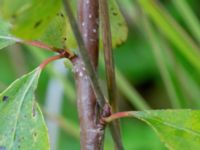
(178, 129)
(29, 18)
(56, 32)
(22, 124)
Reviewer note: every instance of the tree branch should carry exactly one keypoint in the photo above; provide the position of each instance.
(84, 55)
(89, 98)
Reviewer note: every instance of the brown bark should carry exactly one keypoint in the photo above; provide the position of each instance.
(92, 132)
(88, 19)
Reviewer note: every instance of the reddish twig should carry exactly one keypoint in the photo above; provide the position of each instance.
(69, 54)
(39, 44)
(50, 59)
(63, 54)
(118, 116)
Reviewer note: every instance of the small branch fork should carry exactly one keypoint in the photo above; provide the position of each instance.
(65, 52)
(106, 115)
(62, 53)
(94, 111)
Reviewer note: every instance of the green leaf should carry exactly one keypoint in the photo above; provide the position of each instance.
(29, 17)
(161, 59)
(189, 17)
(178, 129)
(22, 124)
(56, 32)
(5, 38)
(71, 41)
(118, 24)
(172, 31)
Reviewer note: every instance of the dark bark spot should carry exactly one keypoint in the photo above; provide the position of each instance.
(5, 98)
(37, 24)
(2, 148)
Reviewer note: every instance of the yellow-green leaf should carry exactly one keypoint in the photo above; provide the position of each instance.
(29, 18)
(22, 125)
(178, 129)
(172, 31)
(118, 24)
(56, 32)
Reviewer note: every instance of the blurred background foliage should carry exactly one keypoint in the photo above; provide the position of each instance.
(157, 67)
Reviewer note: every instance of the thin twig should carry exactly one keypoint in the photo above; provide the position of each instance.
(63, 54)
(108, 55)
(110, 70)
(118, 116)
(69, 54)
(51, 59)
(39, 45)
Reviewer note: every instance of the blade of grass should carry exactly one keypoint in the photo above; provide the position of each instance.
(67, 125)
(127, 89)
(188, 85)
(188, 17)
(161, 63)
(130, 92)
(172, 31)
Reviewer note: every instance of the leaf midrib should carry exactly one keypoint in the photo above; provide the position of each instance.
(21, 102)
(171, 125)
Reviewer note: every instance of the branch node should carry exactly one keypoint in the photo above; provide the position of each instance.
(106, 112)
